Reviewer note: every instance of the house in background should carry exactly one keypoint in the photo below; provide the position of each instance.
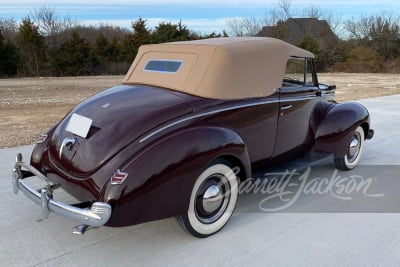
(294, 30)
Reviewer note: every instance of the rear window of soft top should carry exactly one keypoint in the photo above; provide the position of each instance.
(163, 65)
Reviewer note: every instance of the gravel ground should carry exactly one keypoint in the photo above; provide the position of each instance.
(30, 106)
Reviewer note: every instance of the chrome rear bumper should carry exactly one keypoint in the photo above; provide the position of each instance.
(95, 216)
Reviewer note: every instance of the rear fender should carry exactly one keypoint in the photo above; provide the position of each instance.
(161, 176)
(334, 132)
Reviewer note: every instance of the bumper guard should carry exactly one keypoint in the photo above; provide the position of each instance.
(95, 216)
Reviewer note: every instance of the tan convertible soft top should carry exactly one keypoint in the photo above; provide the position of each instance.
(222, 68)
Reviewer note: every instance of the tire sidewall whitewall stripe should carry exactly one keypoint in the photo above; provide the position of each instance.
(349, 164)
(207, 229)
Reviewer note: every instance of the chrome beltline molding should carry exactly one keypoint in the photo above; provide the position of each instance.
(159, 130)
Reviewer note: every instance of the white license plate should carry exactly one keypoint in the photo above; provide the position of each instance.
(79, 125)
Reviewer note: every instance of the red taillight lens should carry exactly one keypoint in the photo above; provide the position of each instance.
(118, 177)
(41, 138)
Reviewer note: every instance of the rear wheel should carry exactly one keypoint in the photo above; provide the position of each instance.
(354, 151)
(212, 201)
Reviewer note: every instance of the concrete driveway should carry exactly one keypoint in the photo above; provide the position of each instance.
(249, 239)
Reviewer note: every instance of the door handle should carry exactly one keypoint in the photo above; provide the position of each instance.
(286, 107)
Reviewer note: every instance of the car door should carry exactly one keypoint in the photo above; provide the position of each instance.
(297, 97)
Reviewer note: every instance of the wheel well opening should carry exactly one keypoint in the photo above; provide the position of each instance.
(365, 127)
(235, 162)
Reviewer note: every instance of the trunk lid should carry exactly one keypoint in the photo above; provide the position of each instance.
(119, 115)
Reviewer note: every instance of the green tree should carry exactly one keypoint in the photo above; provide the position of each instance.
(101, 48)
(332, 57)
(211, 35)
(168, 32)
(106, 51)
(310, 44)
(107, 56)
(8, 58)
(73, 57)
(114, 51)
(140, 36)
(32, 48)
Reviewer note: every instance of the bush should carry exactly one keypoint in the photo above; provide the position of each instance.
(361, 59)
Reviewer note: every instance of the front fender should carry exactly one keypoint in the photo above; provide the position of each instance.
(162, 174)
(334, 132)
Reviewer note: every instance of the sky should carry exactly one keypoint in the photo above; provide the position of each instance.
(202, 16)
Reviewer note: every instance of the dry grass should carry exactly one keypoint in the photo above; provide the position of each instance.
(30, 106)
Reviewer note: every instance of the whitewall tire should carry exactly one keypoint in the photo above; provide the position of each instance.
(354, 151)
(212, 201)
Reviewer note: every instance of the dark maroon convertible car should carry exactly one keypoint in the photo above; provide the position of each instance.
(167, 141)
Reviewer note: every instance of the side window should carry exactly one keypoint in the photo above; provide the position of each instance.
(298, 72)
(309, 73)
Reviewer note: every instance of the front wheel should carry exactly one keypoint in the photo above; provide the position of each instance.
(353, 155)
(212, 201)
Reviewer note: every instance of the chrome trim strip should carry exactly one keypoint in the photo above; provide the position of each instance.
(201, 115)
(218, 111)
(98, 214)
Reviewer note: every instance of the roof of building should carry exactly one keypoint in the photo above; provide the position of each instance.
(293, 30)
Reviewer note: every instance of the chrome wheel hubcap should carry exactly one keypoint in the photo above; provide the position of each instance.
(354, 148)
(212, 198)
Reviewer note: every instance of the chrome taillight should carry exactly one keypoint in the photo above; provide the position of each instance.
(41, 138)
(118, 177)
